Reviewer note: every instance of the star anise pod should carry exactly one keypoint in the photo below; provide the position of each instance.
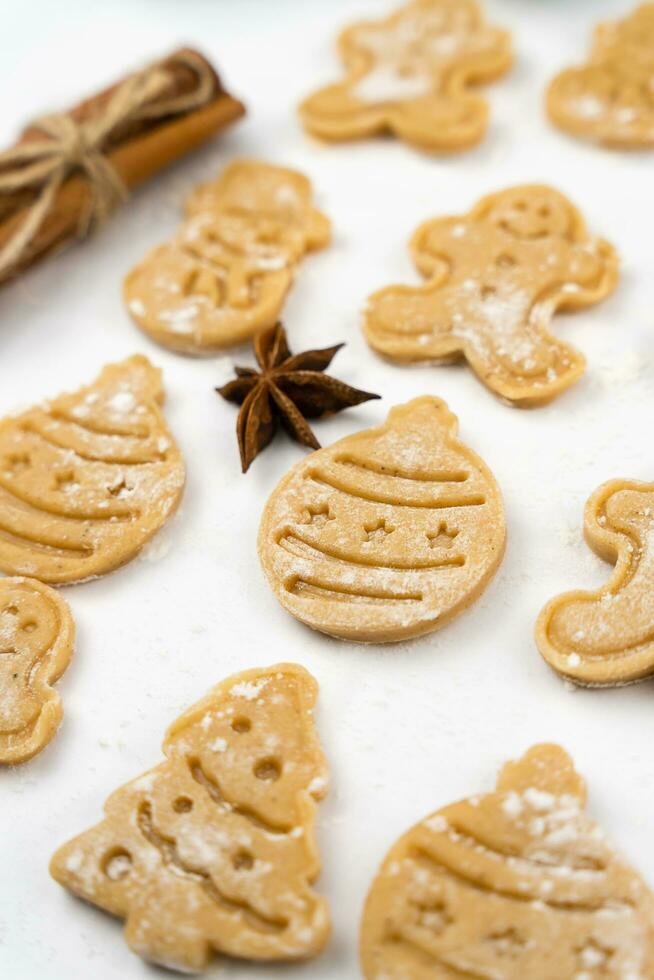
(289, 388)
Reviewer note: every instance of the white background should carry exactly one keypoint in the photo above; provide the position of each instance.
(409, 727)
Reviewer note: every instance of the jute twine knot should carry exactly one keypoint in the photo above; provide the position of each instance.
(43, 165)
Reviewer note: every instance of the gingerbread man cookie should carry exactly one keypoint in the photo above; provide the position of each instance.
(413, 75)
(214, 850)
(606, 638)
(610, 99)
(388, 533)
(37, 636)
(519, 884)
(87, 478)
(496, 277)
(226, 273)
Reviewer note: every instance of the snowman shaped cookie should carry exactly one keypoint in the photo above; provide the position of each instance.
(226, 273)
(496, 276)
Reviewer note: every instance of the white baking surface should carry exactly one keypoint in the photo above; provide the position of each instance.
(409, 727)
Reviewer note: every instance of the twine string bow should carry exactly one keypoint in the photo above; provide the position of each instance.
(44, 165)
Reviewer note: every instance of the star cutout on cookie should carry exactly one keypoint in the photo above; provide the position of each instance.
(443, 538)
(17, 462)
(65, 481)
(377, 532)
(594, 960)
(317, 516)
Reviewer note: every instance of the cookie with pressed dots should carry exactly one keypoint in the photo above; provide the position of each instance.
(214, 850)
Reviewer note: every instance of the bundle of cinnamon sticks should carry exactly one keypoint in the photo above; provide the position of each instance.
(67, 171)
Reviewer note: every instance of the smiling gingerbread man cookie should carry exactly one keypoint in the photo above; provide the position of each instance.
(610, 99)
(413, 75)
(37, 635)
(496, 277)
(226, 273)
(606, 638)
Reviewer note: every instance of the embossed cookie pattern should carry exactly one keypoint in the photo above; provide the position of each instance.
(87, 478)
(214, 850)
(496, 277)
(226, 273)
(413, 75)
(388, 533)
(610, 99)
(606, 638)
(37, 636)
(519, 884)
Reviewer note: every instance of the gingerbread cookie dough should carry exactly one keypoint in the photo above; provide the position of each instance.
(37, 636)
(87, 478)
(519, 884)
(610, 99)
(226, 273)
(414, 75)
(214, 850)
(387, 534)
(606, 638)
(496, 277)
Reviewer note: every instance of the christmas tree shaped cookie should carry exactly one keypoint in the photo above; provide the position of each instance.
(413, 75)
(496, 276)
(226, 273)
(610, 99)
(606, 638)
(519, 884)
(37, 635)
(388, 533)
(87, 478)
(214, 850)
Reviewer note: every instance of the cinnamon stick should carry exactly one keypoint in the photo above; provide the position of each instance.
(135, 148)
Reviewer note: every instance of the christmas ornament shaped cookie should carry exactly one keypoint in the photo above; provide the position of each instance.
(610, 99)
(605, 638)
(387, 534)
(515, 884)
(214, 850)
(414, 75)
(37, 635)
(496, 277)
(87, 478)
(226, 273)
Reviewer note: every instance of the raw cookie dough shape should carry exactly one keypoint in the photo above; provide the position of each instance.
(226, 273)
(388, 533)
(496, 276)
(37, 636)
(606, 638)
(413, 75)
(214, 850)
(610, 99)
(87, 478)
(518, 884)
